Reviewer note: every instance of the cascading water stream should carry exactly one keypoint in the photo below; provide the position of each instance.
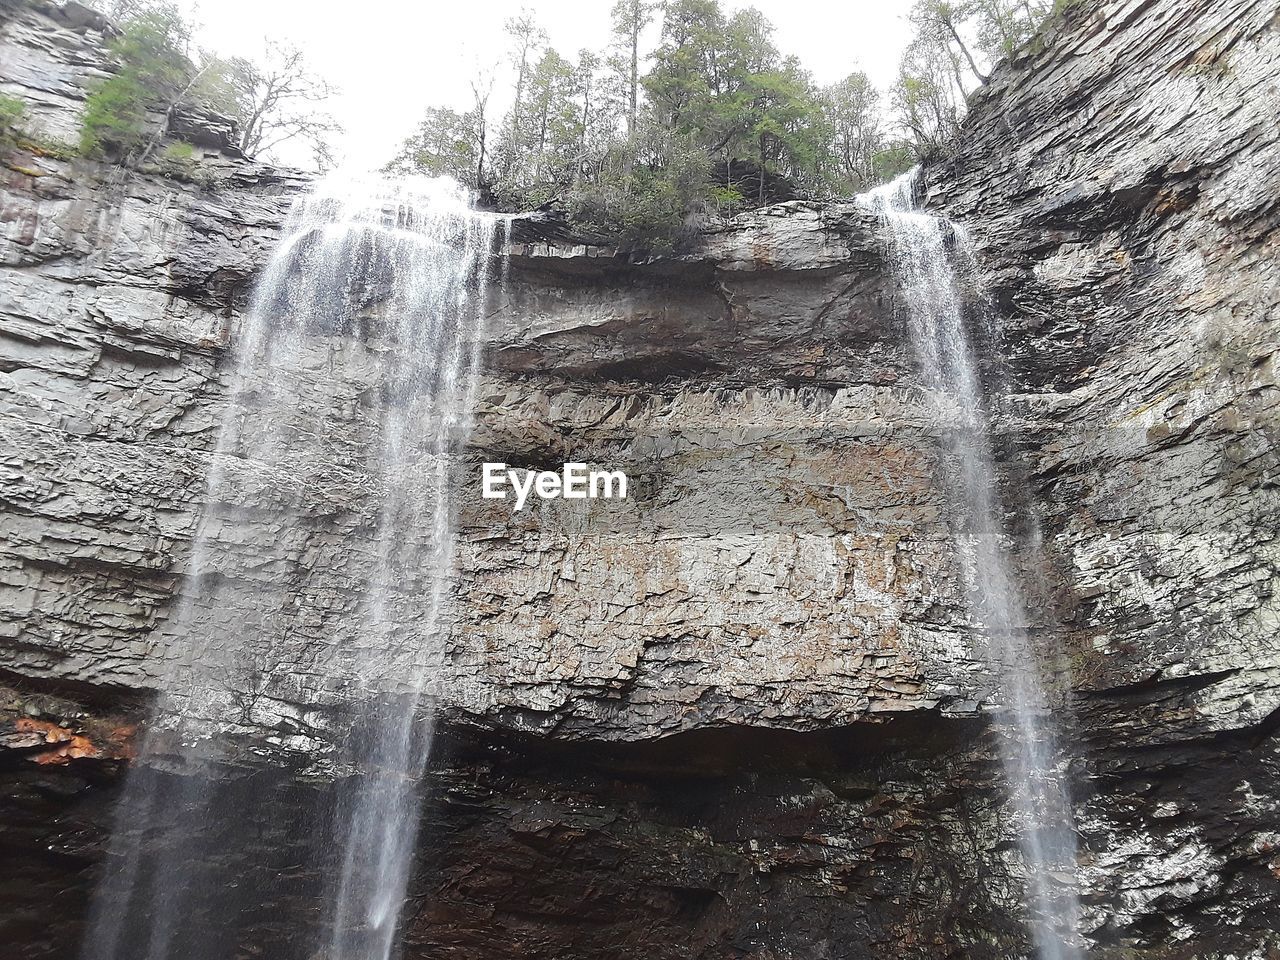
(922, 251)
(355, 370)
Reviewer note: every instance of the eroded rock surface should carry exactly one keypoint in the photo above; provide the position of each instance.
(785, 561)
(1124, 186)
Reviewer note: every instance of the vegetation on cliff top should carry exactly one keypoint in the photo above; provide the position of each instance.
(639, 142)
(152, 67)
(273, 100)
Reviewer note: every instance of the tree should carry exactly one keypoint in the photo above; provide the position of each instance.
(553, 119)
(639, 155)
(153, 71)
(955, 43)
(541, 140)
(892, 160)
(925, 97)
(1003, 26)
(852, 110)
(446, 143)
(938, 23)
(450, 143)
(275, 101)
(686, 74)
(721, 83)
(650, 192)
(785, 124)
(629, 18)
(748, 46)
(481, 90)
(526, 38)
(584, 81)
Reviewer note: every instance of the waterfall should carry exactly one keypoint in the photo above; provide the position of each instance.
(922, 250)
(350, 386)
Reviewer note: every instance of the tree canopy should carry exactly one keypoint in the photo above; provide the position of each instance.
(690, 109)
(641, 141)
(274, 99)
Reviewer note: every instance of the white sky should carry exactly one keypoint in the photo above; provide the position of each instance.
(392, 58)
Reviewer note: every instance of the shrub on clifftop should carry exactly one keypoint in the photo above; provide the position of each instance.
(153, 72)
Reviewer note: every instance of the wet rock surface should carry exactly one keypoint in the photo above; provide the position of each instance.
(1123, 184)
(785, 560)
(719, 843)
(778, 599)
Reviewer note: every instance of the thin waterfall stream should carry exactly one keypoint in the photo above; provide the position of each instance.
(371, 309)
(923, 252)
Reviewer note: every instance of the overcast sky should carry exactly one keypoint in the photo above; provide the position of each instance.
(391, 58)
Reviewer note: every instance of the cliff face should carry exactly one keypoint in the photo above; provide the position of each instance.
(781, 591)
(785, 562)
(1124, 186)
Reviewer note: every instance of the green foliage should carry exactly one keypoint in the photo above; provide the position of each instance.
(115, 116)
(628, 140)
(628, 21)
(728, 200)
(651, 208)
(1058, 11)
(153, 70)
(927, 97)
(891, 161)
(540, 148)
(785, 124)
(179, 161)
(48, 146)
(688, 94)
(12, 112)
(274, 99)
(720, 82)
(218, 85)
(851, 111)
(1003, 27)
(179, 152)
(445, 144)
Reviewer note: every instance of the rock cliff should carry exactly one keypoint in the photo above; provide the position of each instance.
(1123, 183)
(742, 715)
